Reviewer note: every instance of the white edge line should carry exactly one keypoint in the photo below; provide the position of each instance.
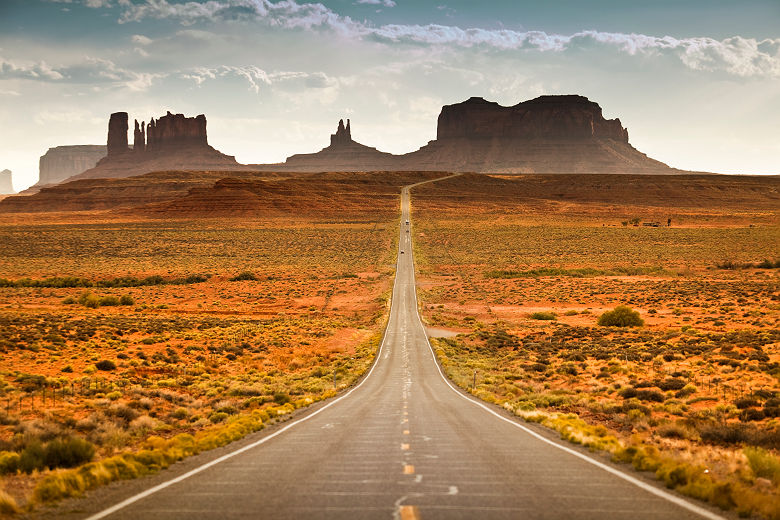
(135, 498)
(628, 478)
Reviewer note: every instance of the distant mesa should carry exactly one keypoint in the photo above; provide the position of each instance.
(62, 162)
(6, 182)
(171, 142)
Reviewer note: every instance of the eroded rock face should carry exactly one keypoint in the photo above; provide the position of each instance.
(546, 117)
(61, 162)
(343, 135)
(174, 131)
(6, 182)
(117, 133)
(172, 142)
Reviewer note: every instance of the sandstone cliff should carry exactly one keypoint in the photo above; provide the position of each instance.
(6, 182)
(549, 134)
(61, 162)
(171, 142)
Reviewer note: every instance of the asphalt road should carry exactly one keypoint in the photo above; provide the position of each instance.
(403, 444)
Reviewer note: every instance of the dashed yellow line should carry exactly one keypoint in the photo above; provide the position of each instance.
(406, 432)
(409, 513)
(404, 446)
(408, 469)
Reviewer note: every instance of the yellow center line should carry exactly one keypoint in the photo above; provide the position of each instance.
(404, 446)
(406, 432)
(409, 513)
(408, 469)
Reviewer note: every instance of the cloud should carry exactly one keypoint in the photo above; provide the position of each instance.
(28, 70)
(140, 39)
(88, 71)
(738, 56)
(386, 3)
(258, 78)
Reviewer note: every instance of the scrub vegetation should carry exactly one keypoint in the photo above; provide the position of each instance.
(658, 346)
(126, 346)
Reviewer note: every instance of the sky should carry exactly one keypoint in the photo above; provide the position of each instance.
(696, 82)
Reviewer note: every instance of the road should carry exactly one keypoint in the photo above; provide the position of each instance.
(403, 444)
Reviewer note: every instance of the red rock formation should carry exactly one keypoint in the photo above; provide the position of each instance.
(343, 136)
(139, 138)
(169, 143)
(176, 131)
(546, 117)
(61, 162)
(343, 154)
(117, 133)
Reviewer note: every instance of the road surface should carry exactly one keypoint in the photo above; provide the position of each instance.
(403, 444)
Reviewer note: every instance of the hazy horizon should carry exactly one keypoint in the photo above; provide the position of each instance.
(695, 82)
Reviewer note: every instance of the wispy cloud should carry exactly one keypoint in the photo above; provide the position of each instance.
(94, 71)
(386, 3)
(258, 78)
(738, 56)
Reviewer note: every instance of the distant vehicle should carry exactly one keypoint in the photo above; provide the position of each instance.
(407, 222)
(402, 252)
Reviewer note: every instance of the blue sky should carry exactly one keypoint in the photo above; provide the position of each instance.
(697, 83)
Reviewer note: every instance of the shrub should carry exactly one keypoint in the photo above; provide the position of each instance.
(543, 315)
(68, 452)
(763, 463)
(9, 462)
(106, 365)
(8, 505)
(87, 299)
(70, 300)
(244, 276)
(109, 301)
(126, 299)
(621, 316)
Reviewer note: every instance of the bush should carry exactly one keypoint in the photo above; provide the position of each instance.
(621, 316)
(126, 299)
(106, 365)
(109, 301)
(763, 463)
(543, 315)
(68, 452)
(244, 276)
(87, 299)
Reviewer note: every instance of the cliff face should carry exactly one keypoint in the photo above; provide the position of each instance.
(546, 117)
(61, 162)
(171, 142)
(549, 134)
(6, 183)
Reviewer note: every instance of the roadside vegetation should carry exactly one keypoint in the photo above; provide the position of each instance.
(131, 362)
(638, 342)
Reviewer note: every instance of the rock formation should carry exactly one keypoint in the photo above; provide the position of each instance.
(343, 154)
(6, 183)
(172, 142)
(139, 137)
(61, 162)
(546, 117)
(174, 131)
(343, 136)
(117, 134)
(549, 134)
